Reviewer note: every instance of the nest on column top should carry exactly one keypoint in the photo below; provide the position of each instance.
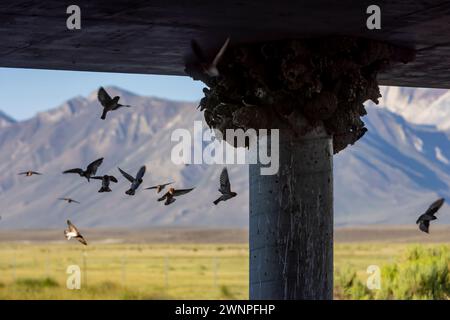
(323, 81)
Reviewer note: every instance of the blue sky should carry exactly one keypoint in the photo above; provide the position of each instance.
(23, 92)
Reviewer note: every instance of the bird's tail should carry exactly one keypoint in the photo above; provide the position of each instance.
(102, 189)
(103, 117)
(169, 201)
(130, 192)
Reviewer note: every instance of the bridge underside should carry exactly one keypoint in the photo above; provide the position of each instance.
(291, 213)
(153, 37)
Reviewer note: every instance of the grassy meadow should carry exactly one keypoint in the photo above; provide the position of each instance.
(208, 271)
(125, 271)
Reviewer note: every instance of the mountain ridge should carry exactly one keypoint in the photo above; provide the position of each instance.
(390, 175)
(6, 120)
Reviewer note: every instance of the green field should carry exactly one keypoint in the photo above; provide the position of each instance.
(180, 271)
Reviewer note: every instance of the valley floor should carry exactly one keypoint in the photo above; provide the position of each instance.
(202, 264)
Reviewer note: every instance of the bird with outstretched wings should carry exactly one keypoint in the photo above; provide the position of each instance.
(91, 169)
(108, 103)
(72, 232)
(170, 195)
(225, 187)
(69, 200)
(29, 173)
(135, 181)
(159, 187)
(106, 180)
(424, 220)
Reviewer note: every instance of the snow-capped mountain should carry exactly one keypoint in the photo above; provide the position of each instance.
(390, 176)
(393, 173)
(419, 105)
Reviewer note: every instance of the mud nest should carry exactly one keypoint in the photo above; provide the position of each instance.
(298, 85)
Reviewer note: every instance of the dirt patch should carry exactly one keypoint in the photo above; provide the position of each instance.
(398, 234)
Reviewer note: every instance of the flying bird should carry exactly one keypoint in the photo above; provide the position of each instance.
(69, 200)
(105, 182)
(170, 195)
(225, 187)
(424, 220)
(209, 67)
(108, 103)
(159, 187)
(72, 232)
(90, 171)
(135, 182)
(29, 173)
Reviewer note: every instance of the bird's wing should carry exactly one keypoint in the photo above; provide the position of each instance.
(197, 51)
(225, 186)
(149, 188)
(97, 178)
(34, 172)
(81, 239)
(434, 207)
(164, 196)
(72, 228)
(76, 170)
(62, 198)
(93, 166)
(140, 173)
(126, 175)
(75, 201)
(20, 173)
(220, 53)
(180, 192)
(103, 97)
(426, 217)
(113, 179)
(166, 184)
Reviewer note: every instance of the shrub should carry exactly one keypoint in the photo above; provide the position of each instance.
(423, 273)
(30, 283)
(348, 286)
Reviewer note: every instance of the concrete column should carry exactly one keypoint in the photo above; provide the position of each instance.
(291, 222)
(311, 89)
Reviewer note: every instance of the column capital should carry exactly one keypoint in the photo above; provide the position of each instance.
(298, 85)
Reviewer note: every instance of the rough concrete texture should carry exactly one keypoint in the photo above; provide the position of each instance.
(291, 222)
(298, 85)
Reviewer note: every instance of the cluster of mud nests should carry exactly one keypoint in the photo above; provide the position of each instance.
(298, 85)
